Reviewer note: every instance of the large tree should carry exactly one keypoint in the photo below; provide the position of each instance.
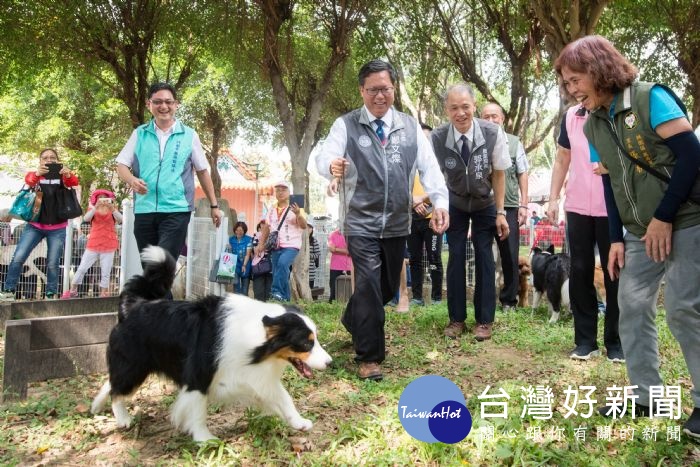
(304, 46)
(125, 44)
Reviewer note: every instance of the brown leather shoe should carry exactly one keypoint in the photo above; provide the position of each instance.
(371, 371)
(483, 332)
(454, 330)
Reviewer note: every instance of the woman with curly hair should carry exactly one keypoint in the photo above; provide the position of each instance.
(634, 127)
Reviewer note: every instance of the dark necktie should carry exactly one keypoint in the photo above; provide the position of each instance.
(380, 131)
(464, 152)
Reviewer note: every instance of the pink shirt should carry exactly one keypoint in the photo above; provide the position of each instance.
(584, 189)
(339, 261)
(290, 232)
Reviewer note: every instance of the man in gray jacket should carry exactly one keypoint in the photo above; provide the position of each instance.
(473, 155)
(374, 153)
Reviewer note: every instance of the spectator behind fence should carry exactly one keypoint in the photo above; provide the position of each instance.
(262, 283)
(102, 242)
(290, 223)
(632, 122)
(587, 222)
(314, 257)
(48, 226)
(157, 163)
(341, 263)
(242, 247)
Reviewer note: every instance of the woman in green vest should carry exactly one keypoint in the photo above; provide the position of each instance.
(634, 121)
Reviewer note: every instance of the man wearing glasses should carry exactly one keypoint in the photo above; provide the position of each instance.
(373, 154)
(157, 163)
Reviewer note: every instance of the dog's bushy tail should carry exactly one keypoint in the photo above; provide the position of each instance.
(154, 283)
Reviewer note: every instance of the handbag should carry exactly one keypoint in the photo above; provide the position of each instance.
(693, 196)
(261, 264)
(27, 204)
(273, 239)
(68, 206)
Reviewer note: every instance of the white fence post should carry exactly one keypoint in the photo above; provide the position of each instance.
(67, 255)
(130, 259)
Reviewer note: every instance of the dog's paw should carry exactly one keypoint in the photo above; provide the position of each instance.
(200, 436)
(302, 424)
(124, 421)
(554, 318)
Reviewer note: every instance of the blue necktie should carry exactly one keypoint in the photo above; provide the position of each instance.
(380, 130)
(464, 152)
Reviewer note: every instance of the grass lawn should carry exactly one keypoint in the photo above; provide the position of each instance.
(357, 422)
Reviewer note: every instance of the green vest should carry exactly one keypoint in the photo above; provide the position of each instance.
(512, 186)
(637, 192)
(170, 180)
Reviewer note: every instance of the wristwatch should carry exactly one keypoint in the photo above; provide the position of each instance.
(502, 212)
(214, 206)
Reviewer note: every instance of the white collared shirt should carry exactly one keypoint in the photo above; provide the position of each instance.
(430, 175)
(501, 156)
(127, 154)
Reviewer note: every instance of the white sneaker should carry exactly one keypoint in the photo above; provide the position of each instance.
(7, 296)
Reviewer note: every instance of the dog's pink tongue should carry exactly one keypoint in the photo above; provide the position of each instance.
(306, 371)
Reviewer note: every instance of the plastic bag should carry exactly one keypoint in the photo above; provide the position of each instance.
(227, 266)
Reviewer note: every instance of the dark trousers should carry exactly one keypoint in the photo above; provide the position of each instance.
(584, 232)
(335, 273)
(166, 230)
(509, 249)
(483, 225)
(377, 263)
(422, 237)
(262, 287)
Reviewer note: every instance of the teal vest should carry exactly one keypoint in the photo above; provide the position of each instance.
(512, 187)
(637, 192)
(170, 180)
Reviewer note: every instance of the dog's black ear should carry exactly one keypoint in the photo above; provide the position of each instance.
(536, 249)
(550, 248)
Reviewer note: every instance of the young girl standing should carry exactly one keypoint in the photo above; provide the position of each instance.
(102, 242)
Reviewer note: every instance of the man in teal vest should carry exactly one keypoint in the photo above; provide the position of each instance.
(158, 162)
(515, 205)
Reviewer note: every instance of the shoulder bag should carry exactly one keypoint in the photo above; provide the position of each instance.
(273, 239)
(27, 204)
(67, 203)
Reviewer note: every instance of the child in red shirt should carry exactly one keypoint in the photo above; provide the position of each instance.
(102, 242)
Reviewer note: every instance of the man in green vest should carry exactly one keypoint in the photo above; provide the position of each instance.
(515, 206)
(158, 162)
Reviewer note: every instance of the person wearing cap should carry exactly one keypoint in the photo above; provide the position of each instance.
(290, 223)
(102, 241)
(158, 162)
(375, 152)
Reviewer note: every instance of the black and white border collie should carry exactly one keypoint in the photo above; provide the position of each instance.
(550, 275)
(217, 349)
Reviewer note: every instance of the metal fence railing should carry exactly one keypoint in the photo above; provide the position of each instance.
(204, 244)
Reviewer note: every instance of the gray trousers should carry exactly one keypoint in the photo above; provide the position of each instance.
(639, 288)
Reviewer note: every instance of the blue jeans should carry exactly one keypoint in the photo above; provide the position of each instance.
(241, 285)
(31, 236)
(282, 260)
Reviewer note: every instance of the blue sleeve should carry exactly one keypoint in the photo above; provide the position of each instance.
(594, 154)
(662, 107)
(563, 139)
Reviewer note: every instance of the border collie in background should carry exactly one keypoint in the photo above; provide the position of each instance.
(550, 276)
(217, 349)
